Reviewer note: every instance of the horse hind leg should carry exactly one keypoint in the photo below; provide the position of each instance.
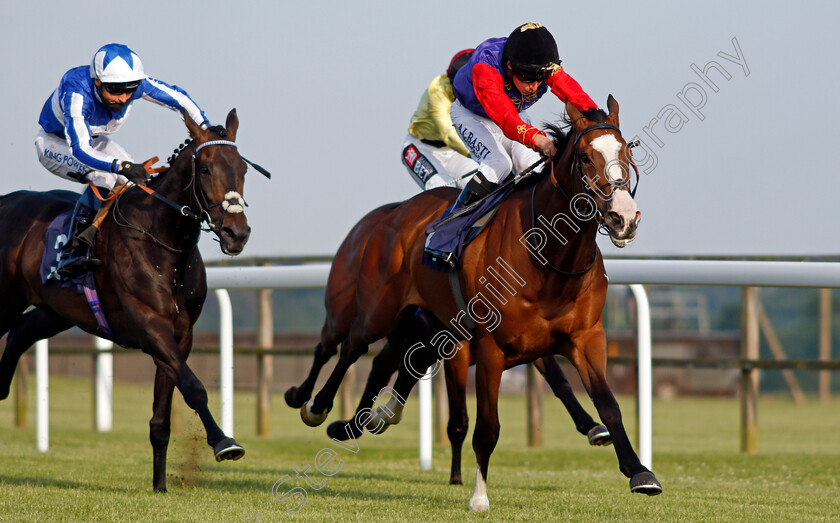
(34, 325)
(296, 397)
(597, 434)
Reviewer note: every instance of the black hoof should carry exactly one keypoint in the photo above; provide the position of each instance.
(228, 449)
(599, 436)
(343, 430)
(292, 399)
(645, 483)
(456, 481)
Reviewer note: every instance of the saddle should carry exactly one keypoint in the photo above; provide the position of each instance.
(449, 235)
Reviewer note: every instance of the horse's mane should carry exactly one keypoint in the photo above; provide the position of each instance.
(560, 131)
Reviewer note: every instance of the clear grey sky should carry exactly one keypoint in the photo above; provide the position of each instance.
(324, 91)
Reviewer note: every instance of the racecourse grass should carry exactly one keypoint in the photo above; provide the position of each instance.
(90, 476)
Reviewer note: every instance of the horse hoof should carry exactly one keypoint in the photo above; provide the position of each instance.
(455, 481)
(292, 400)
(309, 417)
(228, 449)
(645, 483)
(599, 436)
(343, 430)
(479, 504)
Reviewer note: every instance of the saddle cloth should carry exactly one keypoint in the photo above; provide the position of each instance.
(54, 239)
(449, 235)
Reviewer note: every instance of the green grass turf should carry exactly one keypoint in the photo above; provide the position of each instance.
(90, 476)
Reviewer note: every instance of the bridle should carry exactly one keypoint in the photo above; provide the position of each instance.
(232, 203)
(577, 170)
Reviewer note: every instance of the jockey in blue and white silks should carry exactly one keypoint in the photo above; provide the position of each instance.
(90, 103)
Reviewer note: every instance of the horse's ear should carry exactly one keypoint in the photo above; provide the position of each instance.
(195, 131)
(612, 105)
(574, 114)
(232, 124)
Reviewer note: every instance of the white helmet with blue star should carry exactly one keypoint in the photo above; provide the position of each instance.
(117, 64)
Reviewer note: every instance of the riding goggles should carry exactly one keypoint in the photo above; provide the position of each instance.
(529, 73)
(121, 88)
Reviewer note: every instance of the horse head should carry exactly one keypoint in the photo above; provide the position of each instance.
(603, 164)
(218, 179)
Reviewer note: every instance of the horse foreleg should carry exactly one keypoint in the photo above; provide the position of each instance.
(591, 362)
(159, 428)
(174, 364)
(384, 365)
(316, 410)
(296, 397)
(456, 371)
(488, 374)
(553, 374)
(37, 324)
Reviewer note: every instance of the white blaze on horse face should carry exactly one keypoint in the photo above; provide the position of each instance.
(621, 201)
(609, 147)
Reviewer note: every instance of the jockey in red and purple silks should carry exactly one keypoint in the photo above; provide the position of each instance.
(504, 77)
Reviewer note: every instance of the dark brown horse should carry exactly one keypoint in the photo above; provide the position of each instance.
(340, 303)
(152, 285)
(534, 279)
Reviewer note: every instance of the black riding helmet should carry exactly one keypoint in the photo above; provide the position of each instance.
(532, 53)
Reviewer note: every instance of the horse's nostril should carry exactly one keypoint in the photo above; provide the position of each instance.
(617, 218)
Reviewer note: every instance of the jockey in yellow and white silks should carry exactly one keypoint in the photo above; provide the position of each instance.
(433, 153)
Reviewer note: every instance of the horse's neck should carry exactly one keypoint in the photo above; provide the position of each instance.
(570, 243)
(159, 220)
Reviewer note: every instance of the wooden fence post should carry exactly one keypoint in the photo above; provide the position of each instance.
(825, 344)
(749, 375)
(265, 362)
(534, 407)
(779, 353)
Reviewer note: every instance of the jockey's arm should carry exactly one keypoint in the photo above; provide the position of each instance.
(490, 92)
(175, 98)
(77, 131)
(566, 89)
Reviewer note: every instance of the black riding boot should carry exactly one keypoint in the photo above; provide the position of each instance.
(76, 254)
(477, 188)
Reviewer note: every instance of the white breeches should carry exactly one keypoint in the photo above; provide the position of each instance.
(432, 166)
(496, 154)
(55, 154)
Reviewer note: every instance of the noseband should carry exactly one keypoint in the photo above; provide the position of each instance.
(232, 203)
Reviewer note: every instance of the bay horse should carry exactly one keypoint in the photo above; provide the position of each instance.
(552, 277)
(340, 304)
(152, 284)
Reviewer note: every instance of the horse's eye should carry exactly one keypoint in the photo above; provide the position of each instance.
(585, 159)
(204, 170)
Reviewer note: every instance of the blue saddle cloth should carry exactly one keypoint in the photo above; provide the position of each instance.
(448, 236)
(54, 239)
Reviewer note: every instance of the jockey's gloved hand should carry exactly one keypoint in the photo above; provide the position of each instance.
(134, 172)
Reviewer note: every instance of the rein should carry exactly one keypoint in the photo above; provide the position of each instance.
(232, 203)
(578, 170)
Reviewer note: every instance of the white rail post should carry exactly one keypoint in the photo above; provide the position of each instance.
(42, 386)
(226, 361)
(645, 389)
(424, 393)
(104, 386)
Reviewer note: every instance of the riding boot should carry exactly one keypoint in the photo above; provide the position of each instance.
(76, 255)
(477, 188)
